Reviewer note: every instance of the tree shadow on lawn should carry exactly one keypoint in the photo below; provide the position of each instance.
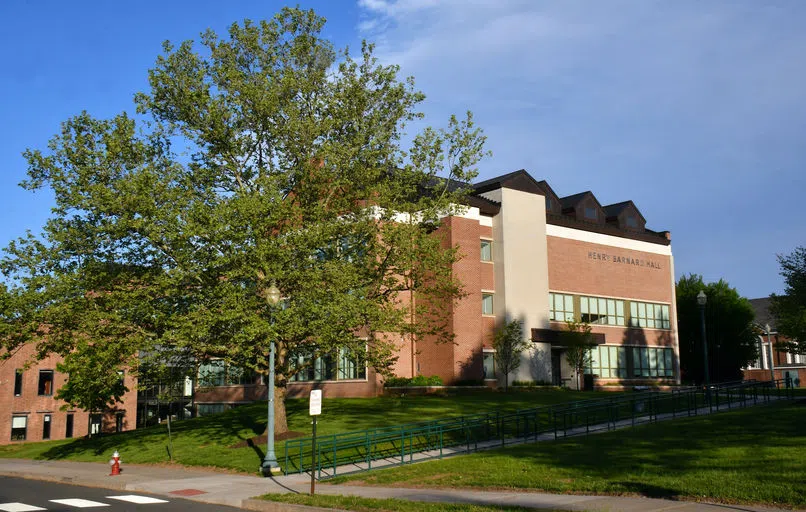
(699, 454)
(220, 429)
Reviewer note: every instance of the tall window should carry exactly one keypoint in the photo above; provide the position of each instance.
(561, 307)
(46, 427)
(652, 362)
(596, 310)
(645, 314)
(68, 429)
(487, 304)
(344, 365)
(45, 382)
(218, 373)
(19, 428)
(489, 364)
(95, 424)
(17, 382)
(486, 250)
(609, 362)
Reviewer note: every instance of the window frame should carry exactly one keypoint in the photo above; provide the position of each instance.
(47, 423)
(18, 381)
(485, 354)
(24, 428)
(485, 311)
(489, 243)
(42, 388)
(565, 299)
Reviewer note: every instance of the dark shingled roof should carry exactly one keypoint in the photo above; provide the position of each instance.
(572, 200)
(763, 316)
(518, 180)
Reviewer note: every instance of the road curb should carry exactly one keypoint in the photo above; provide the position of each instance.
(278, 506)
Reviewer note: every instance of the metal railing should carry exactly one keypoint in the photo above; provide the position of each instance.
(399, 444)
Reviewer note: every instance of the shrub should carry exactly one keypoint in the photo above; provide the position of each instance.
(420, 380)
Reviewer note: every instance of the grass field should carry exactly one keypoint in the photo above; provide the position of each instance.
(207, 441)
(383, 505)
(756, 455)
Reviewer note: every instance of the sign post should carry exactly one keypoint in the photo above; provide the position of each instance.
(314, 409)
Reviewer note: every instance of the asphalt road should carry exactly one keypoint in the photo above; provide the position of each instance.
(21, 495)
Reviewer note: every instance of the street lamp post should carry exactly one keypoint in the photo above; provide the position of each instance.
(701, 300)
(772, 354)
(270, 465)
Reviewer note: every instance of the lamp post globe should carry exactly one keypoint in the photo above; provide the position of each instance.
(270, 465)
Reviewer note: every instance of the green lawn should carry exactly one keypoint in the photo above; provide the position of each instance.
(207, 441)
(383, 505)
(756, 455)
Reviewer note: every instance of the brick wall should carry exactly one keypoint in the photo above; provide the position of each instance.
(35, 407)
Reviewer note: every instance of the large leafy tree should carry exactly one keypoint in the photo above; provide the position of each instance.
(729, 331)
(263, 157)
(790, 309)
(579, 344)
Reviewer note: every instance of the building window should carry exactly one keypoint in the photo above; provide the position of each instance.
(95, 424)
(645, 314)
(631, 222)
(119, 422)
(548, 204)
(486, 250)
(609, 362)
(652, 362)
(590, 213)
(487, 304)
(19, 428)
(17, 382)
(347, 365)
(208, 409)
(45, 382)
(46, 427)
(596, 310)
(218, 373)
(488, 369)
(561, 307)
(68, 430)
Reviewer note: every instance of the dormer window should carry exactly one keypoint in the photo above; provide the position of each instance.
(548, 204)
(590, 213)
(631, 222)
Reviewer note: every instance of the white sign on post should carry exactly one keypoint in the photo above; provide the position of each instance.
(316, 402)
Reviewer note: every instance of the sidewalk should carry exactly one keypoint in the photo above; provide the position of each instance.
(236, 490)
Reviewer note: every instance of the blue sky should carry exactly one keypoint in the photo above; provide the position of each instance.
(695, 110)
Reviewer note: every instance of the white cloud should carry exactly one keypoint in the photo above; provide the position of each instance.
(690, 108)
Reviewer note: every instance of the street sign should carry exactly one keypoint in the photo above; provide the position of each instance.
(316, 403)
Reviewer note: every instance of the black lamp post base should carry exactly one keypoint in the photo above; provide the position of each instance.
(270, 470)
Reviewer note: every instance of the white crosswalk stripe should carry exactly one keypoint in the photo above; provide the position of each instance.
(18, 507)
(80, 503)
(140, 500)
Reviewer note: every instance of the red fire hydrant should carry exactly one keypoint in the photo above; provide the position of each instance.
(115, 463)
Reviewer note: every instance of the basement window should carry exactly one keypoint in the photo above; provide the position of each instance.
(19, 428)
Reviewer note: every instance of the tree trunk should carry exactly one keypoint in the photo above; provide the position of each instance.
(280, 419)
(89, 425)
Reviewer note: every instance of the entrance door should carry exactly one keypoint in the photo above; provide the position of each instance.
(556, 365)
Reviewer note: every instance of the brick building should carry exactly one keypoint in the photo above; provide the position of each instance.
(29, 411)
(528, 254)
(773, 362)
(531, 255)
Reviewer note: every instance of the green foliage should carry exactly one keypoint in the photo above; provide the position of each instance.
(509, 343)
(419, 380)
(732, 343)
(790, 309)
(267, 156)
(531, 383)
(578, 342)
